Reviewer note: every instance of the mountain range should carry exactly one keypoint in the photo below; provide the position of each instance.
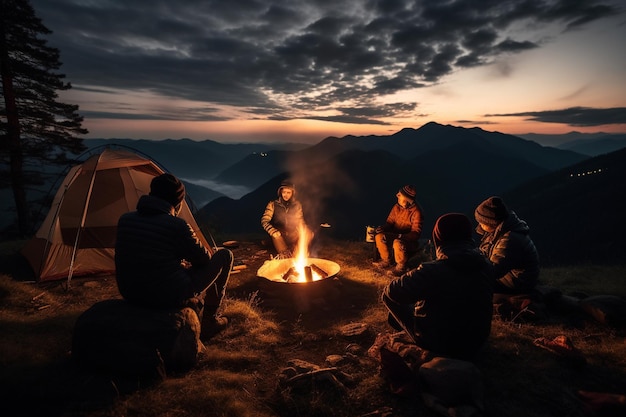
(350, 182)
(577, 213)
(591, 144)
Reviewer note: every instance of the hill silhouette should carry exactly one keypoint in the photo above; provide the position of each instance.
(350, 184)
(189, 158)
(576, 214)
(597, 146)
(406, 144)
(357, 188)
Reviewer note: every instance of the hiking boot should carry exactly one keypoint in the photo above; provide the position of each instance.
(213, 326)
(382, 264)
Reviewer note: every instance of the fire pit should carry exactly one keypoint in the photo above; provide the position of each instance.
(300, 280)
(292, 271)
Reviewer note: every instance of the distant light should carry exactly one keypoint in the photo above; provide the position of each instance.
(582, 174)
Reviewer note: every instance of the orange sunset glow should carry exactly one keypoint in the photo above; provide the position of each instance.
(300, 72)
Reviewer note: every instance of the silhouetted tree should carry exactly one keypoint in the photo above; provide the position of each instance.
(36, 130)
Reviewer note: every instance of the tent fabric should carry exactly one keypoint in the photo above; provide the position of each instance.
(77, 237)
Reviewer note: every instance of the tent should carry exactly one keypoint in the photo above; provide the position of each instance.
(77, 237)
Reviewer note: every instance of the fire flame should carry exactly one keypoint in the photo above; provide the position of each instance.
(301, 255)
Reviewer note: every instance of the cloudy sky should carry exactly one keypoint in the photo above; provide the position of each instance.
(301, 70)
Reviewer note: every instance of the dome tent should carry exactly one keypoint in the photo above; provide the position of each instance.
(77, 237)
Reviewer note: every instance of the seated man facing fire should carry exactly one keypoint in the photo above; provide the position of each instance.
(445, 305)
(400, 233)
(160, 262)
(506, 242)
(283, 220)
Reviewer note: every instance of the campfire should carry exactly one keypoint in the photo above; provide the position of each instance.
(300, 268)
(292, 271)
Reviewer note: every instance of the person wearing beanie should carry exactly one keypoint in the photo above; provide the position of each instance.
(168, 188)
(160, 262)
(399, 236)
(283, 220)
(445, 305)
(505, 241)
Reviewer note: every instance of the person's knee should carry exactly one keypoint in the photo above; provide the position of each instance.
(224, 256)
(386, 300)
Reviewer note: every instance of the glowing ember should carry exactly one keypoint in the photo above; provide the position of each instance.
(308, 273)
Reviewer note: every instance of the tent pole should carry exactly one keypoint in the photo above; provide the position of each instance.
(82, 222)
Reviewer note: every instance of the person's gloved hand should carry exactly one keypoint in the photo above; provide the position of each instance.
(379, 229)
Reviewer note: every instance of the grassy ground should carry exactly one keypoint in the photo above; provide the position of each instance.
(239, 373)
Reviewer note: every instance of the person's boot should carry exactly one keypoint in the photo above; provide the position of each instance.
(382, 264)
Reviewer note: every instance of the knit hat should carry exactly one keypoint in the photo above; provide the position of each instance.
(286, 184)
(491, 212)
(408, 191)
(452, 227)
(168, 188)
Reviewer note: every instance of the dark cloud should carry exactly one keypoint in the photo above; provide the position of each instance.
(575, 116)
(288, 58)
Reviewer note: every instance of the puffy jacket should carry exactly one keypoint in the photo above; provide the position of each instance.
(284, 216)
(406, 221)
(513, 253)
(452, 298)
(150, 246)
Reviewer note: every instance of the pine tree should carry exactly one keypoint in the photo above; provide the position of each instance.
(36, 130)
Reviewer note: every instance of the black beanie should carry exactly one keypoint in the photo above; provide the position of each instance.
(491, 212)
(452, 227)
(408, 191)
(169, 188)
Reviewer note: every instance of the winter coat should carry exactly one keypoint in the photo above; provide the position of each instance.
(283, 216)
(452, 300)
(150, 246)
(513, 254)
(406, 221)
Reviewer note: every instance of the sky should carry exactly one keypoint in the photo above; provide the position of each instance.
(303, 70)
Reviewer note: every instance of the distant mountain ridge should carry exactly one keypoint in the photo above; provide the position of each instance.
(432, 136)
(591, 144)
(186, 157)
(576, 214)
(596, 146)
(351, 182)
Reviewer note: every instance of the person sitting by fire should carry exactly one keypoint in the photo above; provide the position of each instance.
(506, 242)
(160, 262)
(283, 220)
(400, 233)
(445, 305)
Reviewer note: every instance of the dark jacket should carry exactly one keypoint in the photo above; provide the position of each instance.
(513, 253)
(284, 216)
(452, 299)
(151, 243)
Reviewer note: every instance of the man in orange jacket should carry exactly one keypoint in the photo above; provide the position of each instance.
(400, 233)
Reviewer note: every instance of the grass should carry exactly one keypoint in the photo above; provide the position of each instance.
(239, 373)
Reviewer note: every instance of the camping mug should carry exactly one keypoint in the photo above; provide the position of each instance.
(370, 232)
